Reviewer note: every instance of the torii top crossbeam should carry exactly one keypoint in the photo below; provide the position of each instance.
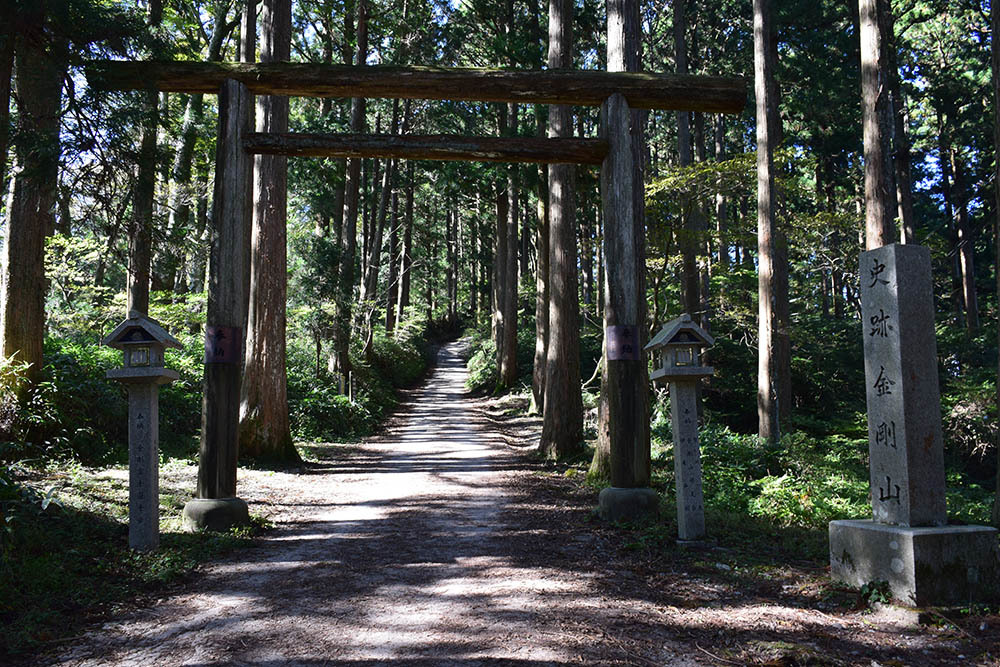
(642, 90)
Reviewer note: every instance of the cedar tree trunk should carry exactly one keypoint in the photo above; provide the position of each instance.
(264, 428)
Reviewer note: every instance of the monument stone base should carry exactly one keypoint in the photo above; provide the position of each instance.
(215, 514)
(618, 504)
(924, 566)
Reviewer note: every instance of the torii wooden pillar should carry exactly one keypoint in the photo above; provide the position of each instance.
(216, 505)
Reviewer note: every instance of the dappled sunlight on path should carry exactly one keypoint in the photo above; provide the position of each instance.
(391, 552)
(439, 543)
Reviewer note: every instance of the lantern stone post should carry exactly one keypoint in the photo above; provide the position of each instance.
(142, 341)
(680, 343)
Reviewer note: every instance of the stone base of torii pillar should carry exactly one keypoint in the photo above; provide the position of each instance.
(215, 514)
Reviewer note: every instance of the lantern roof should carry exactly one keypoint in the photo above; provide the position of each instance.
(139, 329)
(680, 331)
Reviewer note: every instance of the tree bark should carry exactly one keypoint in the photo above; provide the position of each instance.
(248, 32)
(30, 218)
(179, 215)
(406, 258)
(341, 363)
(995, 61)
(6, 71)
(571, 87)
(562, 409)
(541, 283)
(140, 237)
(370, 283)
(501, 248)
(773, 353)
(452, 258)
(947, 196)
(900, 138)
(688, 237)
(964, 245)
(265, 433)
(875, 117)
(508, 265)
(393, 296)
(721, 203)
(198, 271)
(182, 195)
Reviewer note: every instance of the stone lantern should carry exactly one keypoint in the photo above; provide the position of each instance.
(678, 347)
(142, 341)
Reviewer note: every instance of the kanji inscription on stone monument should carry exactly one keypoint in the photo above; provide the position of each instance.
(904, 412)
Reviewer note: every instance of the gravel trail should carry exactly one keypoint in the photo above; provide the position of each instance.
(440, 543)
(395, 552)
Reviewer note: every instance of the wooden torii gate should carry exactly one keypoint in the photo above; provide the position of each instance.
(216, 505)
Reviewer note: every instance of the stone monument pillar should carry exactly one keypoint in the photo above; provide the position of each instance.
(142, 342)
(908, 542)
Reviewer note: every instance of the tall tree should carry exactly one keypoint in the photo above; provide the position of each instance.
(393, 297)
(562, 408)
(541, 232)
(140, 237)
(508, 349)
(900, 136)
(964, 242)
(690, 278)
(40, 67)
(264, 431)
(369, 284)
(995, 60)
(6, 71)
(180, 211)
(721, 202)
(773, 361)
(406, 257)
(875, 118)
(341, 362)
(541, 291)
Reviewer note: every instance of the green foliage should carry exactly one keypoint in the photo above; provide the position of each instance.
(482, 364)
(65, 561)
(482, 359)
(74, 303)
(876, 592)
(317, 409)
(801, 481)
(76, 412)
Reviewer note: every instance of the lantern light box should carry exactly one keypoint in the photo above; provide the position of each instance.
(680, 343)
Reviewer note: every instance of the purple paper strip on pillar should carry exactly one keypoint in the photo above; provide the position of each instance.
(623, 342)
(222, 345)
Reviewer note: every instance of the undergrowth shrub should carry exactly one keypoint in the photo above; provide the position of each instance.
(482, 356)
(317, 409)
(802, 481)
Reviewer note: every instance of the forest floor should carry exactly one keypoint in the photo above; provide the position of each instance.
(442, 541)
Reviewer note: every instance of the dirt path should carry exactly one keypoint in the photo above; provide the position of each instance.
(438, 544)
(393, 552)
